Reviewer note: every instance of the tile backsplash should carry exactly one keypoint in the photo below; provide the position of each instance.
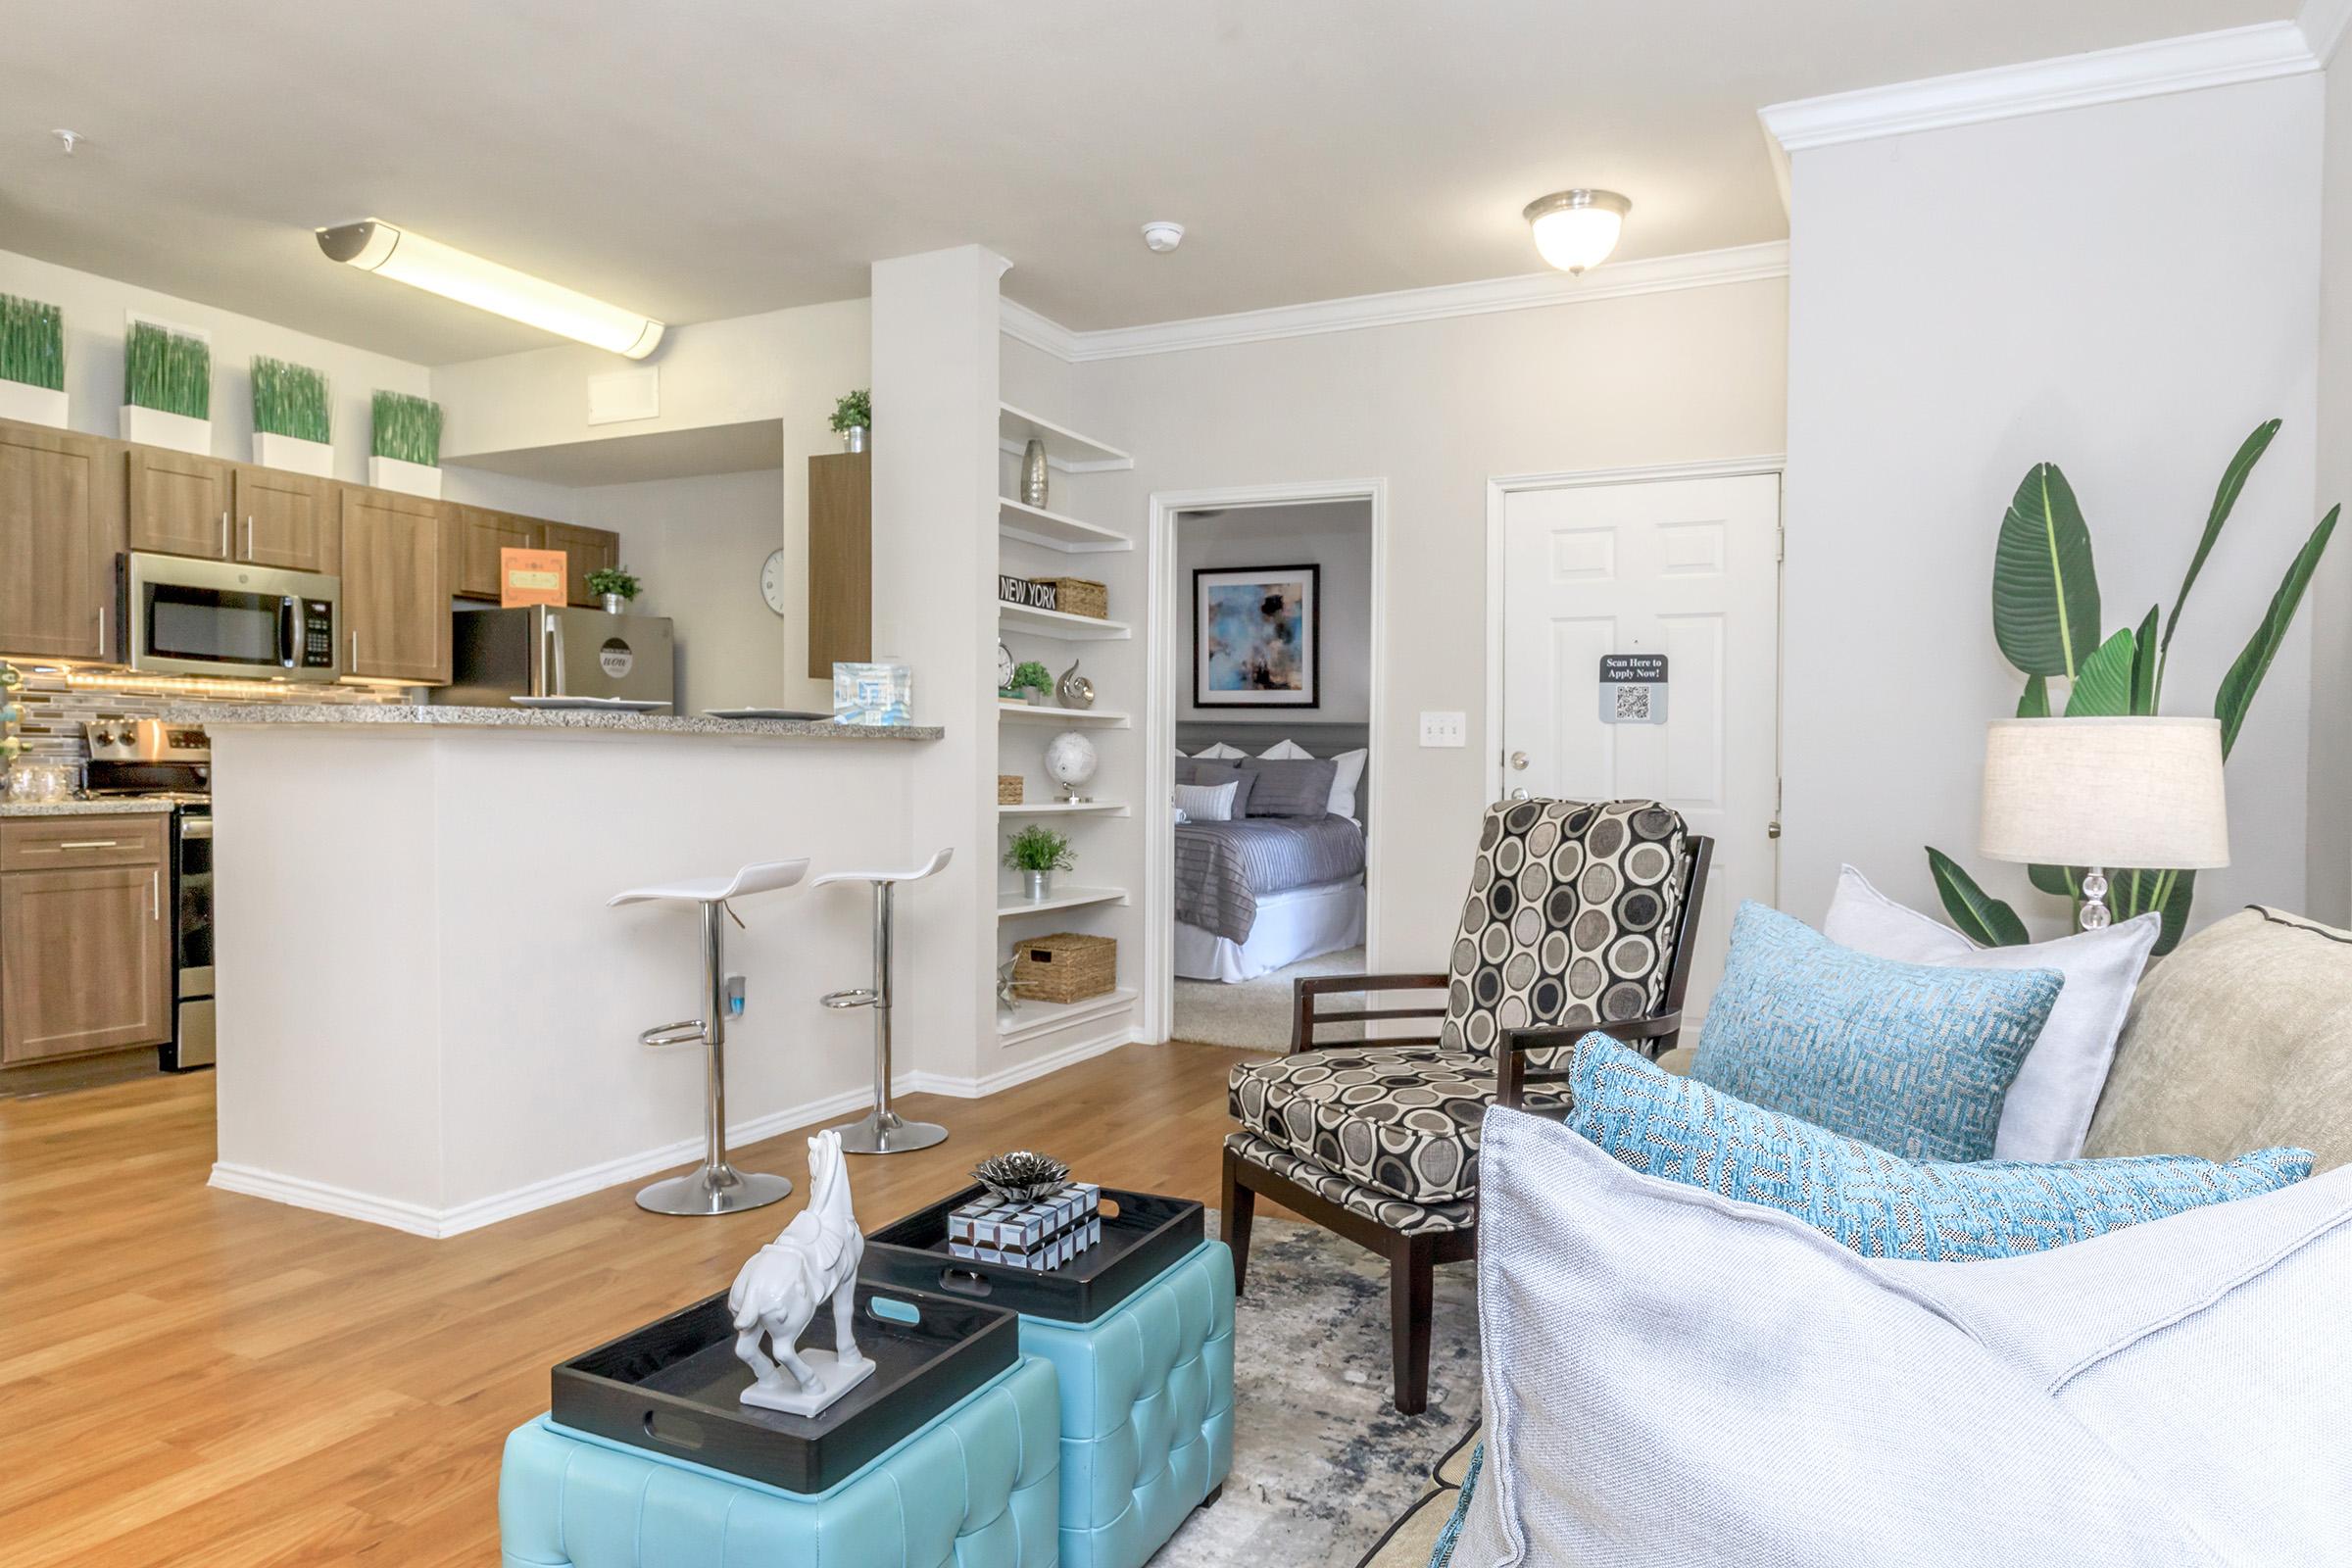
(56, 706)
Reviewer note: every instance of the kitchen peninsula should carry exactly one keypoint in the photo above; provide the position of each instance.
(428, 1016)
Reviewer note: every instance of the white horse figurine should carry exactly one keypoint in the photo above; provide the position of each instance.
(785, 1282)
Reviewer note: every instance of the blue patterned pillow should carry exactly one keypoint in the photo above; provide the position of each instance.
(1872, 1201)
(1916, 1058)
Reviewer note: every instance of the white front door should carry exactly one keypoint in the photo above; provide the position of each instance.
(1684, 567)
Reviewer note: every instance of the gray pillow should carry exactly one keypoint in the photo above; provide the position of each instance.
(1213, 770)
(1288, 787)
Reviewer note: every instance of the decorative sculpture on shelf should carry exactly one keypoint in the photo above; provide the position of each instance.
(785, 1282)
(1021, 1176)
(1073, 689)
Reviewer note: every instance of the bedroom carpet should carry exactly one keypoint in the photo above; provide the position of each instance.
(1257, 1013)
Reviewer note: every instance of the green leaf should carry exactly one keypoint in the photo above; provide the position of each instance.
(2045, 592)
(2034, 700)
(2238, 687)
(2145, 667)
(1982, 918)
(2233, 479)
(2063, 881)
(2103, 687)
(2177, 901)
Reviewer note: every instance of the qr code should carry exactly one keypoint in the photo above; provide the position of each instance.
(1633, 703)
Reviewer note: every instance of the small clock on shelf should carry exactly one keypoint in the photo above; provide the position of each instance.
(1005, 668)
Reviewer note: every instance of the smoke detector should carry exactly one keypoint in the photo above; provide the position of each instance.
(1162, 237)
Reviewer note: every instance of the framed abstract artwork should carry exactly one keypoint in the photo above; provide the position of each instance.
(1257, 637)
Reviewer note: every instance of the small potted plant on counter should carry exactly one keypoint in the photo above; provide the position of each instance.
(33, 362)
(1034, 681)
(852, 417)
(615, 586)
(1037, 852)
(167, 388)
(290, 418)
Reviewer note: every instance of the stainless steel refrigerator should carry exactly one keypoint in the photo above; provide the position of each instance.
(546, 650)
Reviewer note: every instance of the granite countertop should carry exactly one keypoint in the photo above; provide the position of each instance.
(414, 716)
(112, 808)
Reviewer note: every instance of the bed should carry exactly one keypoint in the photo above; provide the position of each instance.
(1257, 895)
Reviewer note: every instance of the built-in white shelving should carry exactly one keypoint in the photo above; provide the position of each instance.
(1012, 905)
(1066, 448)
(1048, 714)
(1065, 809)
(1034, 1018)
(1062, 624)
(1056, 530)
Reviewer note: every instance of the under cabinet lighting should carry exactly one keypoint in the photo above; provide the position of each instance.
(1577, 229)
(407, 257)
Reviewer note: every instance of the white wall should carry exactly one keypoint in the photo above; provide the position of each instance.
(1336, 536)
(2329, 897)
(699, 545)
(1968, 301)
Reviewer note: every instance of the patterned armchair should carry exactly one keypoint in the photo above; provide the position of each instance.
(1580, 916)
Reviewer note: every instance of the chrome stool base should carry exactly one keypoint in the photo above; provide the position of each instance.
(708, 1192)
(886, 1132)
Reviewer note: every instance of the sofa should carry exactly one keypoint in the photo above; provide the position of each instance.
(2241, 1039)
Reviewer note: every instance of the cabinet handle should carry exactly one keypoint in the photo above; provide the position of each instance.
(155, 895)
(89, 843)
(224, 534)
(104, 652)
(248, 538)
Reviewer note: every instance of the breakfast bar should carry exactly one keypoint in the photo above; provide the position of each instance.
(429, 1016)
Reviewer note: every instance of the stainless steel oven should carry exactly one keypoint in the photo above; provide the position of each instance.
(224, 618)
(147, 759)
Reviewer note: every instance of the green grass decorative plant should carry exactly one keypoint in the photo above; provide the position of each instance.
(614, 580)
(168, 371)
(290, 400)
(407, 428)
(2045, 617)
(32, 343)
(1038, 848)
(855, 409)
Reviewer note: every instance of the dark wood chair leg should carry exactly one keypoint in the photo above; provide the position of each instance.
(1412, 1270)
(1239, 1209)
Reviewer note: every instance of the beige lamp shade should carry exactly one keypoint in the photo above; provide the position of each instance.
(2136, 793)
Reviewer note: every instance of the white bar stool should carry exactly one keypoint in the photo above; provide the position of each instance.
(718, 1188)
(883, 1131)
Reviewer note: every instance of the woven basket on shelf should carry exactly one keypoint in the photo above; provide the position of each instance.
(1066, 967)
(1075, 596)
(1008, 789)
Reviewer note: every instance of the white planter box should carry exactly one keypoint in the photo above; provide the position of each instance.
(32, 404)
(154, 427)
(409, 478)
(294, 454)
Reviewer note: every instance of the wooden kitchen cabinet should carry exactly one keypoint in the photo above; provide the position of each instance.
(86, 941)
(397, 582)
(179, 504)
(585, 550)
(60, 528)
(481, 533)
(841, 559)
(287, 521)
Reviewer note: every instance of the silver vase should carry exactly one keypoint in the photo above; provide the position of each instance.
(614, 604)
(853, 438)
(1037, 886)
(1033, 474)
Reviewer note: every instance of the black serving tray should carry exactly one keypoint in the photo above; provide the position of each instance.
(671, 1387)
(1139, 1242)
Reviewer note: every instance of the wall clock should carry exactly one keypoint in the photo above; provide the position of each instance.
(771, 581)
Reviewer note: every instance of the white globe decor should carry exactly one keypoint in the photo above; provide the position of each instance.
(1070, 762)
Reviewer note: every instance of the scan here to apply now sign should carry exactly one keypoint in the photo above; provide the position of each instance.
(1632, 688)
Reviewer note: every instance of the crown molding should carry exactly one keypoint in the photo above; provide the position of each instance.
(1742, 264)
(2322, 23)
(2258, 53)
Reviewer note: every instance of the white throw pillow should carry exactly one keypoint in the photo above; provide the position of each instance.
(1349, 772)
(1206, 802)
(2168, 1393)
(2047, 1114)
(1230, 753)
(1285, 751)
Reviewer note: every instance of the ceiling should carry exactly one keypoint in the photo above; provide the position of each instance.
(712, 159)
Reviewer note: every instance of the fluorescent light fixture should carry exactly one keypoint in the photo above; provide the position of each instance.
(407, 257)
(1577, 229)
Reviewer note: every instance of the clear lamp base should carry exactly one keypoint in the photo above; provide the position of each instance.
(2094, 915)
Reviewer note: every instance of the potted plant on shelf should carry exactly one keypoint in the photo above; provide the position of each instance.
(33, 362)
(290, 418)
(852, 417)
(167, 388)
(405, 445)
(1034, 681)
(615, 586)
(1037, 852)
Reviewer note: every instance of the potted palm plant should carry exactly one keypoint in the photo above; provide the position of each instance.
(167, 388)
(33, 362)
(615, 586)
(1037, 852)
(405, 445)
(290, 418)
(852, 417)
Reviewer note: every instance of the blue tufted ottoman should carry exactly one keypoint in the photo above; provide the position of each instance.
(975, 1489)
(1147, 1409)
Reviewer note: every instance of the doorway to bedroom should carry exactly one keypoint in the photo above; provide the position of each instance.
(1266, 741)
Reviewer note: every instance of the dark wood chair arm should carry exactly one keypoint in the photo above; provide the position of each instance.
(1305, 1014)
(1512, 1075)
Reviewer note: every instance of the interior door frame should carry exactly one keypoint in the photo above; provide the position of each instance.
(1499, 493)
(1165, 664)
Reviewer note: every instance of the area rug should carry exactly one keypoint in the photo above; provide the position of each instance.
(1257, 1013)
(1322, 1459)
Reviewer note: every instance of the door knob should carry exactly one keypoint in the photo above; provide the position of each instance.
(1519, 761)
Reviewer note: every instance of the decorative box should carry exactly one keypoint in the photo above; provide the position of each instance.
(1044, 1233)
(879, 693)
(1075, 596)
(1008, 789)
(1065, 966)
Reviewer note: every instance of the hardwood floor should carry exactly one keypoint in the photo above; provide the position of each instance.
(192, 1378)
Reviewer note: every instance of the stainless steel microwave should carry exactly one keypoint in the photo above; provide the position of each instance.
(224, 618)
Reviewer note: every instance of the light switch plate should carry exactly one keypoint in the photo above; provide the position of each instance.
(1444, 729)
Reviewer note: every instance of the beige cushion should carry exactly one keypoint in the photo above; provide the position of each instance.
(1413, 1536)
(2240, 1040)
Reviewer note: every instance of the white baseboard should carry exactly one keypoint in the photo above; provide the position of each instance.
(326, 1198)
(934, 1082)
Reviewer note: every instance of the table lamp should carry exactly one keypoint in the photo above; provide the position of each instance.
(2102, 794)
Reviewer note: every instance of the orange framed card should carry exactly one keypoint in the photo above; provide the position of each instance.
(532, 577)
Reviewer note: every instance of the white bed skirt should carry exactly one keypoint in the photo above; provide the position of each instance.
(1302, 924)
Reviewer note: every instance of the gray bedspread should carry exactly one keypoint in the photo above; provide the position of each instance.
(1223, 868)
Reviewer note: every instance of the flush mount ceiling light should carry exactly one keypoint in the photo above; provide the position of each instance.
(1577, 229)
(407, 257)
(1161, 236)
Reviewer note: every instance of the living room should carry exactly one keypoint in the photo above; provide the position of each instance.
(1837, 490)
